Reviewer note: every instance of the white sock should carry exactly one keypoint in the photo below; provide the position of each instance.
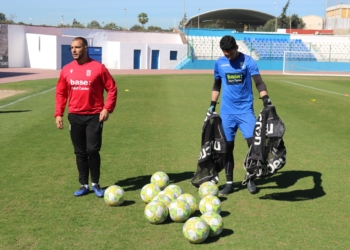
(229, 182)
(86, 185)
(93, 184)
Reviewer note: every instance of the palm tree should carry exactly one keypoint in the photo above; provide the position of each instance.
(143, 18)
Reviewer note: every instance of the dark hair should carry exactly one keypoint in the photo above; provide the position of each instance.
(227, 43)
(85, 43)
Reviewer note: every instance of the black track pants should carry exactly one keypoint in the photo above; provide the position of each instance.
(86, 135)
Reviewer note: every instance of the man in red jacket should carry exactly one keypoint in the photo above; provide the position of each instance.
(82, 83)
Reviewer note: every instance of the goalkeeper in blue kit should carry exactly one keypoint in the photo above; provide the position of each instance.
(233, 75)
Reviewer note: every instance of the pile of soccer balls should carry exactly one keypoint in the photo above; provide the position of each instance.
(163, 199)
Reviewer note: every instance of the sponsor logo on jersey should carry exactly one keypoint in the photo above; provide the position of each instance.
(88, 72)
(71, 71)
(79, 82)
(234, 78)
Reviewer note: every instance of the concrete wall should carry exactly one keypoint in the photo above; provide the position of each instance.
(313, 22)
(17, 46)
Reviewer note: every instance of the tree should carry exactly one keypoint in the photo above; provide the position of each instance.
(63, 25)
(77, 24)
(143, 18)
(297, 22)
(183, 21)
(154, 28)
(2, 17)
(112, 26)
(283, 21)
(136, 27)
(93, 25)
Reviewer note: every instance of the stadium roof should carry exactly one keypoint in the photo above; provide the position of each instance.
(243, 16)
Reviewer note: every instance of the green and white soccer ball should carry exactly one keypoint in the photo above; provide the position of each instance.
(174, 189)
(149, 191)
(179, 211)
(163, 198)
(210, 203)
(161, 179)
(190, 200)
(196, 230)
(170, 193)
(215, 223)
(113, 195)
(208, 188)
(156, 212)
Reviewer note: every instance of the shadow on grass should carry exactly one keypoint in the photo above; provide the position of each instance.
(225, 232)
(285, 179)
(136, 183)
(13, 111)
(13, 74)
(127, 203)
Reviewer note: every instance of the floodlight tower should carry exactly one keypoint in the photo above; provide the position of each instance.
(199, 9)
(276, 17)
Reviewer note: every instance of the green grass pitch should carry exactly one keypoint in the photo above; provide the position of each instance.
(156, 126)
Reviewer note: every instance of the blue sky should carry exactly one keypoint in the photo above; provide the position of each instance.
(163, 13)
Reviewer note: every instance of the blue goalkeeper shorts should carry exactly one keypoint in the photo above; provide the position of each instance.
(244, 122)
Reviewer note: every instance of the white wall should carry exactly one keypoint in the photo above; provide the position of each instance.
(117, 46)
(112, 54)
(41, 51)
(321, 38)
(16, 46)
(164, 55)
(127, 55)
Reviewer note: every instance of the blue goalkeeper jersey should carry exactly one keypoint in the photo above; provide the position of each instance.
(236, 83)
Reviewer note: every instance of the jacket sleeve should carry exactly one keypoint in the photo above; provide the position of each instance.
(111, 88)
(61, 95)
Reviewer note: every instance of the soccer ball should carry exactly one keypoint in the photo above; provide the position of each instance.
(179, 211)
(208, 188)
(190, 200)
(174, 189)
(163, 198)
(114, 195)
(156, 212)
(161, 179)
(215, 223)
(210, 203)
(149, 191)
(196, 230)
(168, 193)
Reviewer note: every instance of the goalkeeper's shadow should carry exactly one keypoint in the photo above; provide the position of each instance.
(136, 183)
(286, 179)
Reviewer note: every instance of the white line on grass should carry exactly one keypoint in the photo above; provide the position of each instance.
(314, 88)
(19, 100)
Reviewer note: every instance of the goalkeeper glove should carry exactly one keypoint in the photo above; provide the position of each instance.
(211, 109)
(266, 101)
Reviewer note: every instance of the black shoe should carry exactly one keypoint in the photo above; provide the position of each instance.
(251, 186)
(226, 190)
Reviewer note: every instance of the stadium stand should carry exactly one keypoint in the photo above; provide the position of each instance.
(207, 47)
(274, 48)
